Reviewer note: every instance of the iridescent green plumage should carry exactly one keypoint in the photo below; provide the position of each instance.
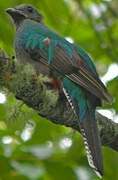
(33, 35)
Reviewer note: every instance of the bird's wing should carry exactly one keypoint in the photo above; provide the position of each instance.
(67, 59)
(78, 71)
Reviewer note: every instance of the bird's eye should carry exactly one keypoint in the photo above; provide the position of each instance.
(30, 9)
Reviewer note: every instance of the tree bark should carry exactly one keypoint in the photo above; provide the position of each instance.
(38, 93)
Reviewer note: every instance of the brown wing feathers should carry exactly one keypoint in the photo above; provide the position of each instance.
(77, 70)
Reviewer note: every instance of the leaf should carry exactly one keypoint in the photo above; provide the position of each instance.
(29, 170)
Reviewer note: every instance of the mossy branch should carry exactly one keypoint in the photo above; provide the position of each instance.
(38, 93)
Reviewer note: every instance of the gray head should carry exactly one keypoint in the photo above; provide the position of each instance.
(22, 12)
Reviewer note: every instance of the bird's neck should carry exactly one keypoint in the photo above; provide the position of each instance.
(22, 21)
(18, 23)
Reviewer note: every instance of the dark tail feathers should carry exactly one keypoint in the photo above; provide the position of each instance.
(92, 144)
(91, 138)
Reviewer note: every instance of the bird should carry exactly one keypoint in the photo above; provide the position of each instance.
(71, 68)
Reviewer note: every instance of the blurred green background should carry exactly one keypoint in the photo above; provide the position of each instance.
(32, 147)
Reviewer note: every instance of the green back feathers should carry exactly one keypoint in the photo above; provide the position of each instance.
(33, 34)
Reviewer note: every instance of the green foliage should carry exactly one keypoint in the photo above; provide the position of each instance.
(32, 147)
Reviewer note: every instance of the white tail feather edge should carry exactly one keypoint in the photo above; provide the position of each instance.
(69, 100)
(89, 156)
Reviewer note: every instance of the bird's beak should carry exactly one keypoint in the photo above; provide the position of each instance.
(10, 10)
(14, 12)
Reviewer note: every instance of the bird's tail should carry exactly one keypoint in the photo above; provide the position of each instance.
(92, 143)
(89, 131)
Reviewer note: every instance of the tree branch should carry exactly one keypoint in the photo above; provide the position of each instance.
(38, 93)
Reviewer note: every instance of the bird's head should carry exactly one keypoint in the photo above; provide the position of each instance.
(22, 12)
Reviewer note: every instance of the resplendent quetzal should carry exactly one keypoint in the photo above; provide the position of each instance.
(69, 64)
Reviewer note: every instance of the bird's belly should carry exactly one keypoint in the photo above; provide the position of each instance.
(24, 58)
